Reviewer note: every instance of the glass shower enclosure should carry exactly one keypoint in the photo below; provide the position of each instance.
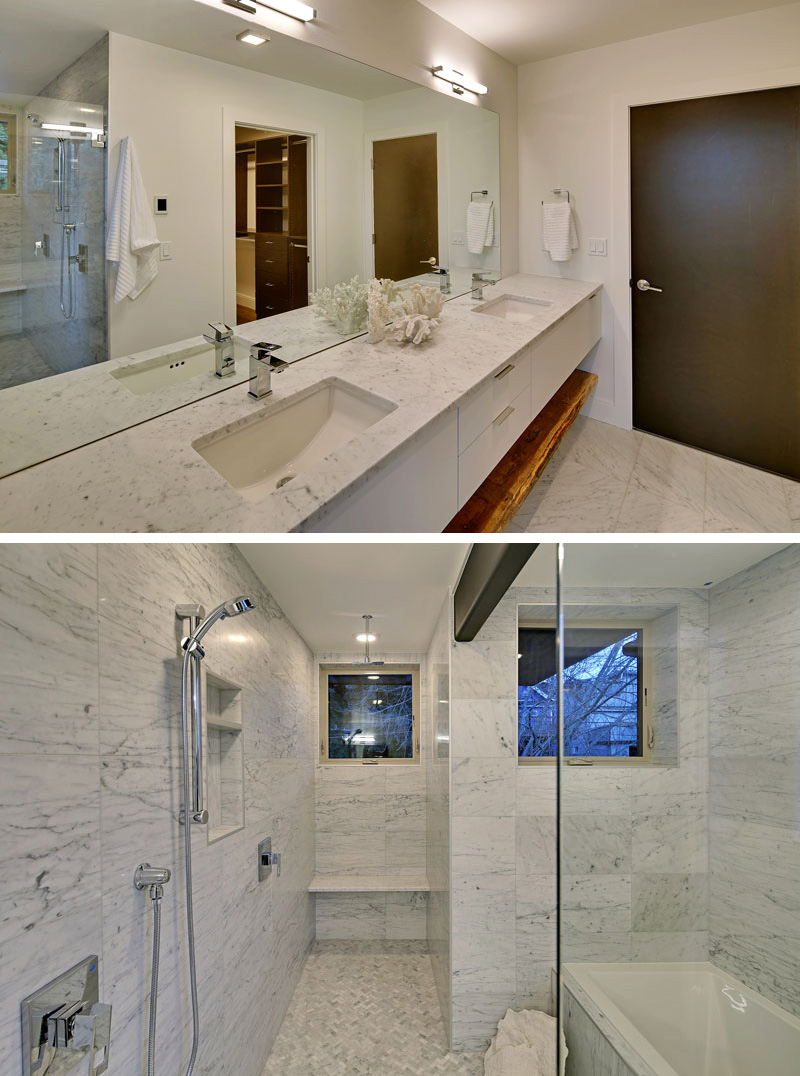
(52, 235)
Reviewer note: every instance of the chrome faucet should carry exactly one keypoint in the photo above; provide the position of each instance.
(223, 348)
(263, 363)
(479, 281)
(442, 273)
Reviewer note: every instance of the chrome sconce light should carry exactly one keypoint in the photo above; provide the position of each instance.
(459, 81)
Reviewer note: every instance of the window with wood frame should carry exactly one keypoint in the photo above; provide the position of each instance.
(8, 153)
(369, 714)
(606, 692)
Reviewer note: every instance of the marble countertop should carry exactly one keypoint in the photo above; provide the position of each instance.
(149, 479)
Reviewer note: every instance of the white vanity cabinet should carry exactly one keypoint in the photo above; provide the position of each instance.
(416, 490)
(491, 420)
(422, 487)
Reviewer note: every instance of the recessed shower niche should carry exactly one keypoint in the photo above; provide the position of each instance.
(225, 757)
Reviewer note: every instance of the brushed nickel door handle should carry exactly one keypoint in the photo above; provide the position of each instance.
(645, 285)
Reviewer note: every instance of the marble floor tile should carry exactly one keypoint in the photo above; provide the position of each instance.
(366, 1010)
(740, 498)
(606, 479)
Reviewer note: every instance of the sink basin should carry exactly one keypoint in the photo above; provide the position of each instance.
(512, 307)
(269, 451)
(152, 375)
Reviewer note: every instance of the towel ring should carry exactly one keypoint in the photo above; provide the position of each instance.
(472, 196)
(560, 190)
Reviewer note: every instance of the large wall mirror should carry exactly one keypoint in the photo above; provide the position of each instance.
(265, 187)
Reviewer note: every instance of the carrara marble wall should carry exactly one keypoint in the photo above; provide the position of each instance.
(755, 761)
(634, 837)
(89, 777)
(370, 820)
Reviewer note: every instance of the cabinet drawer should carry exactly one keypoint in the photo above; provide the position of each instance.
(486, 451)
(484, 407)
(562, 350)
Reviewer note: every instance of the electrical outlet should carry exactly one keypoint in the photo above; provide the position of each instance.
(166, 252)
(598, 247)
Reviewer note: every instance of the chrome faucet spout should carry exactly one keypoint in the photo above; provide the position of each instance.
(224, 360)
(479, 282)
(263, 363)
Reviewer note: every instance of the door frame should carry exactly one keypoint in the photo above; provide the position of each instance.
(443, 183)
(231, 119)
(619, 410)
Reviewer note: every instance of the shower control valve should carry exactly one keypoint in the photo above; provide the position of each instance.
(267, 859)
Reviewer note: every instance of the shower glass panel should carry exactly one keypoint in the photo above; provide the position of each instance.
(52, 236)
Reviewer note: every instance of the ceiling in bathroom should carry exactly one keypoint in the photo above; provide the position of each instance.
(645, 564)
(527, 30)
(325, 587)
(30, 58)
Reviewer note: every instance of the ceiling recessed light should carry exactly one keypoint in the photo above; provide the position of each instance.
(373, 676)
(366, 638)
(252, 37)
(458, 80)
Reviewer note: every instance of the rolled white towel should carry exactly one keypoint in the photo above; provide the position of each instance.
(525, 1045)
(558, 230)
(480, 226)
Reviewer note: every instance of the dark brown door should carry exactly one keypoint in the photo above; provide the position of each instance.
(406, 200)
(715, 187)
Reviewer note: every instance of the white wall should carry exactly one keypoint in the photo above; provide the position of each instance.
(172, 104)
(573, 133)
(467, 143)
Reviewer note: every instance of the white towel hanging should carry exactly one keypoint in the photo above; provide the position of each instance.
(132, 243)
(558, 230)
(480, 226)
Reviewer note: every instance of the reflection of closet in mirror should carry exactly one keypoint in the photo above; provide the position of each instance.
(272, 248)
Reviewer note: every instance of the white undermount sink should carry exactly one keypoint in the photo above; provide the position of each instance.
(268, 451)
(512, 307)
(151, 375)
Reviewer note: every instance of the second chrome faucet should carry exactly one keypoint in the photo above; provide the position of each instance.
(263, 363)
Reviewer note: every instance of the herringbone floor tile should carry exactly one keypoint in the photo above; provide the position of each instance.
(366, 1009)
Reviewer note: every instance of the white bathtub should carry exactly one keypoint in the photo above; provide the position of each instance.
(682, 1019)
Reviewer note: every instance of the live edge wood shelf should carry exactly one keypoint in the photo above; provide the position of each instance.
(496, 501)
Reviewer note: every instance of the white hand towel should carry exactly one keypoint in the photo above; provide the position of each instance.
(558, 229)
(132, 242)
(480, 226)
(525, 1045)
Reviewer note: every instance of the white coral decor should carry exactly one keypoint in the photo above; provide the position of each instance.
(345, 306)
(420, 315)
(379, 312)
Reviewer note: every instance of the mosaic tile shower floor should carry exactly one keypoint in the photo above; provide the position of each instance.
(365, 1009)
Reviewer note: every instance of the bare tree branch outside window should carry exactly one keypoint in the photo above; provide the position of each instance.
(370, 718)
(601, 701)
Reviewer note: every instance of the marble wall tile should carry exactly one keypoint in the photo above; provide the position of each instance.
(596, 844)
(535, 846)
(50, 839)
(48, 639)
(536, 790)
(586, 790)
(351, 916)
(673, 841)
(484, 787)
(665, 946)
(474, 1014)
(111, 795)
(483, 728)
(670, 902)
(406, 916)
(596, 903)
(485, 670)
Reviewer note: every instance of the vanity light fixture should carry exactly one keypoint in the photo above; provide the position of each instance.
(459, 81)
(295, 9)
(252, 37)
(76, 128)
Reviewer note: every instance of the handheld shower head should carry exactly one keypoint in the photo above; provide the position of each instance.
(234, 607)
(237, 606)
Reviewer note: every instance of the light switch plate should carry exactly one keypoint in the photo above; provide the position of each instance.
(166, 252)
(598, 247)
(457, 239)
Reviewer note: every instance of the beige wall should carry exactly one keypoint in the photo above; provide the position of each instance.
(573, 133)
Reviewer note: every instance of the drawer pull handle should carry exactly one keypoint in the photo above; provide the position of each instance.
(506, 370)
(504, 415)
